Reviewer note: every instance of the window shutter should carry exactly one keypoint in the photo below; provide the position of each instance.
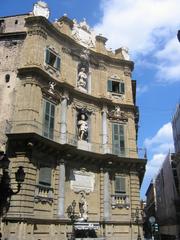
(45, 176)
(121, 138)
(48, 119)
(115, 138)
(58, 62)
(120, 184)
(118, 139)
(47, 56)
(121, 88)
(109, 86)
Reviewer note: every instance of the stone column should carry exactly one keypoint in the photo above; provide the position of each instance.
(63, 128)
(104, 129)
(106, 196)
(61, 189)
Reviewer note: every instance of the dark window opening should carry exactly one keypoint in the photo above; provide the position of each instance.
(7, 78)
(16, 21)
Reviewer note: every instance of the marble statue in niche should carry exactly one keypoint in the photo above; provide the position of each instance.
(82, 80)
(83, 207)
(82, 125)
(83, 75)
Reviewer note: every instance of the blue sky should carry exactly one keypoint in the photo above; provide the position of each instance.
(148, 28)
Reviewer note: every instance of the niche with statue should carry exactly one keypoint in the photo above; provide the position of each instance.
(83, 75)
(82, 126)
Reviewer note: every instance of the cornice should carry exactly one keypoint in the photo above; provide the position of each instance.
(95, 56)
(101, 100)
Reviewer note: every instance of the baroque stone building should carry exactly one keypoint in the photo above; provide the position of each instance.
(69, 117)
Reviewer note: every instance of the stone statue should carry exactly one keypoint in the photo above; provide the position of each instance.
(51, 87)
(82, 80)
(83, 207)
(82, 128)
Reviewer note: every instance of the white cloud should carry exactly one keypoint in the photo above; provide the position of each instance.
(159, 145)
(162, 138)
(146, 28)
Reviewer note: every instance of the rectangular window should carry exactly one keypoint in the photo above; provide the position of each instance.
(118, 139)
(45, 176)
(48, 119)
(120, 185)
(52, 59)
(116, 87)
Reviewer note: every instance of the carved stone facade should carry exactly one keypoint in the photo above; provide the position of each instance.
(71, 123)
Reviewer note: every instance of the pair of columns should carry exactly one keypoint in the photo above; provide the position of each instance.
(61, 198)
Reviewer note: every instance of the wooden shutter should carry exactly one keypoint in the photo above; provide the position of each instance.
(47, 56)
(48, 119)
(120, 184)
(58, 62)
(45, 176)
(109, 86)
(118, 139)
(121, 87)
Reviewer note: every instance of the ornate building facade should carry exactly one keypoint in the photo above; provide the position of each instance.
(69, 114)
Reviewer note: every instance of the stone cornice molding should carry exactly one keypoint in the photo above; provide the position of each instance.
(95, 57)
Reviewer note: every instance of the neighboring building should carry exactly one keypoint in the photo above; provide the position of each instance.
(68, 107)
(176, 129)
(166, 186)
(149, 209)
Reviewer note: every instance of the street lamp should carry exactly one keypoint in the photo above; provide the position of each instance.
(5, 187)
(72, 216)
(137, 221)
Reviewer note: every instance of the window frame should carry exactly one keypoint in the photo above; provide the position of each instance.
(43, 182)
(120, 86)
(52, 59)
(48, 119)
(118, 139)
(122, 185)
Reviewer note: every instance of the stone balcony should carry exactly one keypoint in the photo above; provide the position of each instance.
(43, 194)
(33, 126)
(120, 201)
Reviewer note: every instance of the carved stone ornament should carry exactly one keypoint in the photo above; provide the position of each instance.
(82, 181)
(83, 34)
(117, 114)
(81, 107)
(51, 94)
(125, 53)
(41, 9)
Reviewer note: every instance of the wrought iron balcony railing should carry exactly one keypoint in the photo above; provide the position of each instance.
(33, 126)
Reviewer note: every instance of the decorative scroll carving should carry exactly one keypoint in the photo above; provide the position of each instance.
(117, 114)
(83, 34)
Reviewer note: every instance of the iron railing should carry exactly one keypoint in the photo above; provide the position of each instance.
(33, 126)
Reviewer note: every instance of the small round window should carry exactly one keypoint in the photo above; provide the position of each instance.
(7, 78)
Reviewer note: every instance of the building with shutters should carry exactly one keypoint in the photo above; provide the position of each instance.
(69, 117)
